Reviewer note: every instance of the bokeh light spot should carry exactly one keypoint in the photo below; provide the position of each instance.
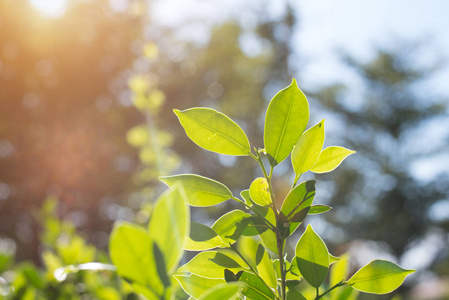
(52, 8)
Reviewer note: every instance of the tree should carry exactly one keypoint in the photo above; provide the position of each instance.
(387, 127)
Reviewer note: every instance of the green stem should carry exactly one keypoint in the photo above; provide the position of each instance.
(280, 244)
(341, 283)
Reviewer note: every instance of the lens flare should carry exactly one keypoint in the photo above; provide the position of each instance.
(51, 8)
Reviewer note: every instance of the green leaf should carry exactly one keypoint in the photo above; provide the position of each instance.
(200, 191)
(259, 191)
(269, 240)
(245, 197)
(214, 131)
(308, 148)
(256, 226)
(231, 225)
(299, 198)
(293, 294)
(228, 291)
(319, 209)
(131, 251)
(330, 158)
(255, 288)
(195, 285)
(265, 267)
(169, 226)
(202, 238)
(297, 203)
(379, 277)
(287, 117)
(339, 272)
(312, 257)
(210, 264)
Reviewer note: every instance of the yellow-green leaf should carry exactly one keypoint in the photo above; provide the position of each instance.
(202, 238)
(214, 131)
(265, 267)
(210, 264)
(379, 277)
(169, 226)
(195, 285)
(231, 225)
(330, 158)
(312, 257)
(229, 291)
(200, 191)
(259, 191)
(308, 149)
(287, 117)
(131, 251)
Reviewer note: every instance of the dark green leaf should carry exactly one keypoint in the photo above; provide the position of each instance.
(255, 288)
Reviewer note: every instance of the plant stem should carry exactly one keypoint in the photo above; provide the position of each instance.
(341, 283)
(280, 244)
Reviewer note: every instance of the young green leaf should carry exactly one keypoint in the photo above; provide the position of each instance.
(195, 285)
(231, 225)
(245, 197)
(259, 191)
(200, 191)
(169, 226)
(268, 239)
(202, 238)
(256, 226)
(379, 277)
(312, 257)
(319, 209)
(214, 131)
(131, 251)
(308, 148)
(210, 264)
(265, 267)
(230, 291)
(339, 272)
(255, 288)
(330, 158)
(293, 294)
(287, 117)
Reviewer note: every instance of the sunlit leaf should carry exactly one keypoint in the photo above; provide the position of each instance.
(259, 191)
(200, 191)
(287, 117)
(269, 240)
(256, 226)
(131, 251)
(312, 257)
(202, 238)
(214, 131)
(245, 197)
(231, 225)
(265, 267)
(255, 288)
(308, 148)
(379, 277)
(210, 264)
(229, 291)
(339, 272)
(330, 158)
(195, 285)
(169, 226)
(319, 209)
(294, 294)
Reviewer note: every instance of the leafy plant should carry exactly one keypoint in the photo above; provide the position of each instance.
(234, 264)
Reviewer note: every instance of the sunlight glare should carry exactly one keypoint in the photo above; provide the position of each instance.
(52, 8)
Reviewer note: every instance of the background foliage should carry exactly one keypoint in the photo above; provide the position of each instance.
(86, 117)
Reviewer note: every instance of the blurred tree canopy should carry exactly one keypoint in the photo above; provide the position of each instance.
(378, 196)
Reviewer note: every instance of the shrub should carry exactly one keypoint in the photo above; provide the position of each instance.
(243, 253)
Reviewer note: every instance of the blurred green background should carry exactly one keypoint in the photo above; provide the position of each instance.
(87, 90)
